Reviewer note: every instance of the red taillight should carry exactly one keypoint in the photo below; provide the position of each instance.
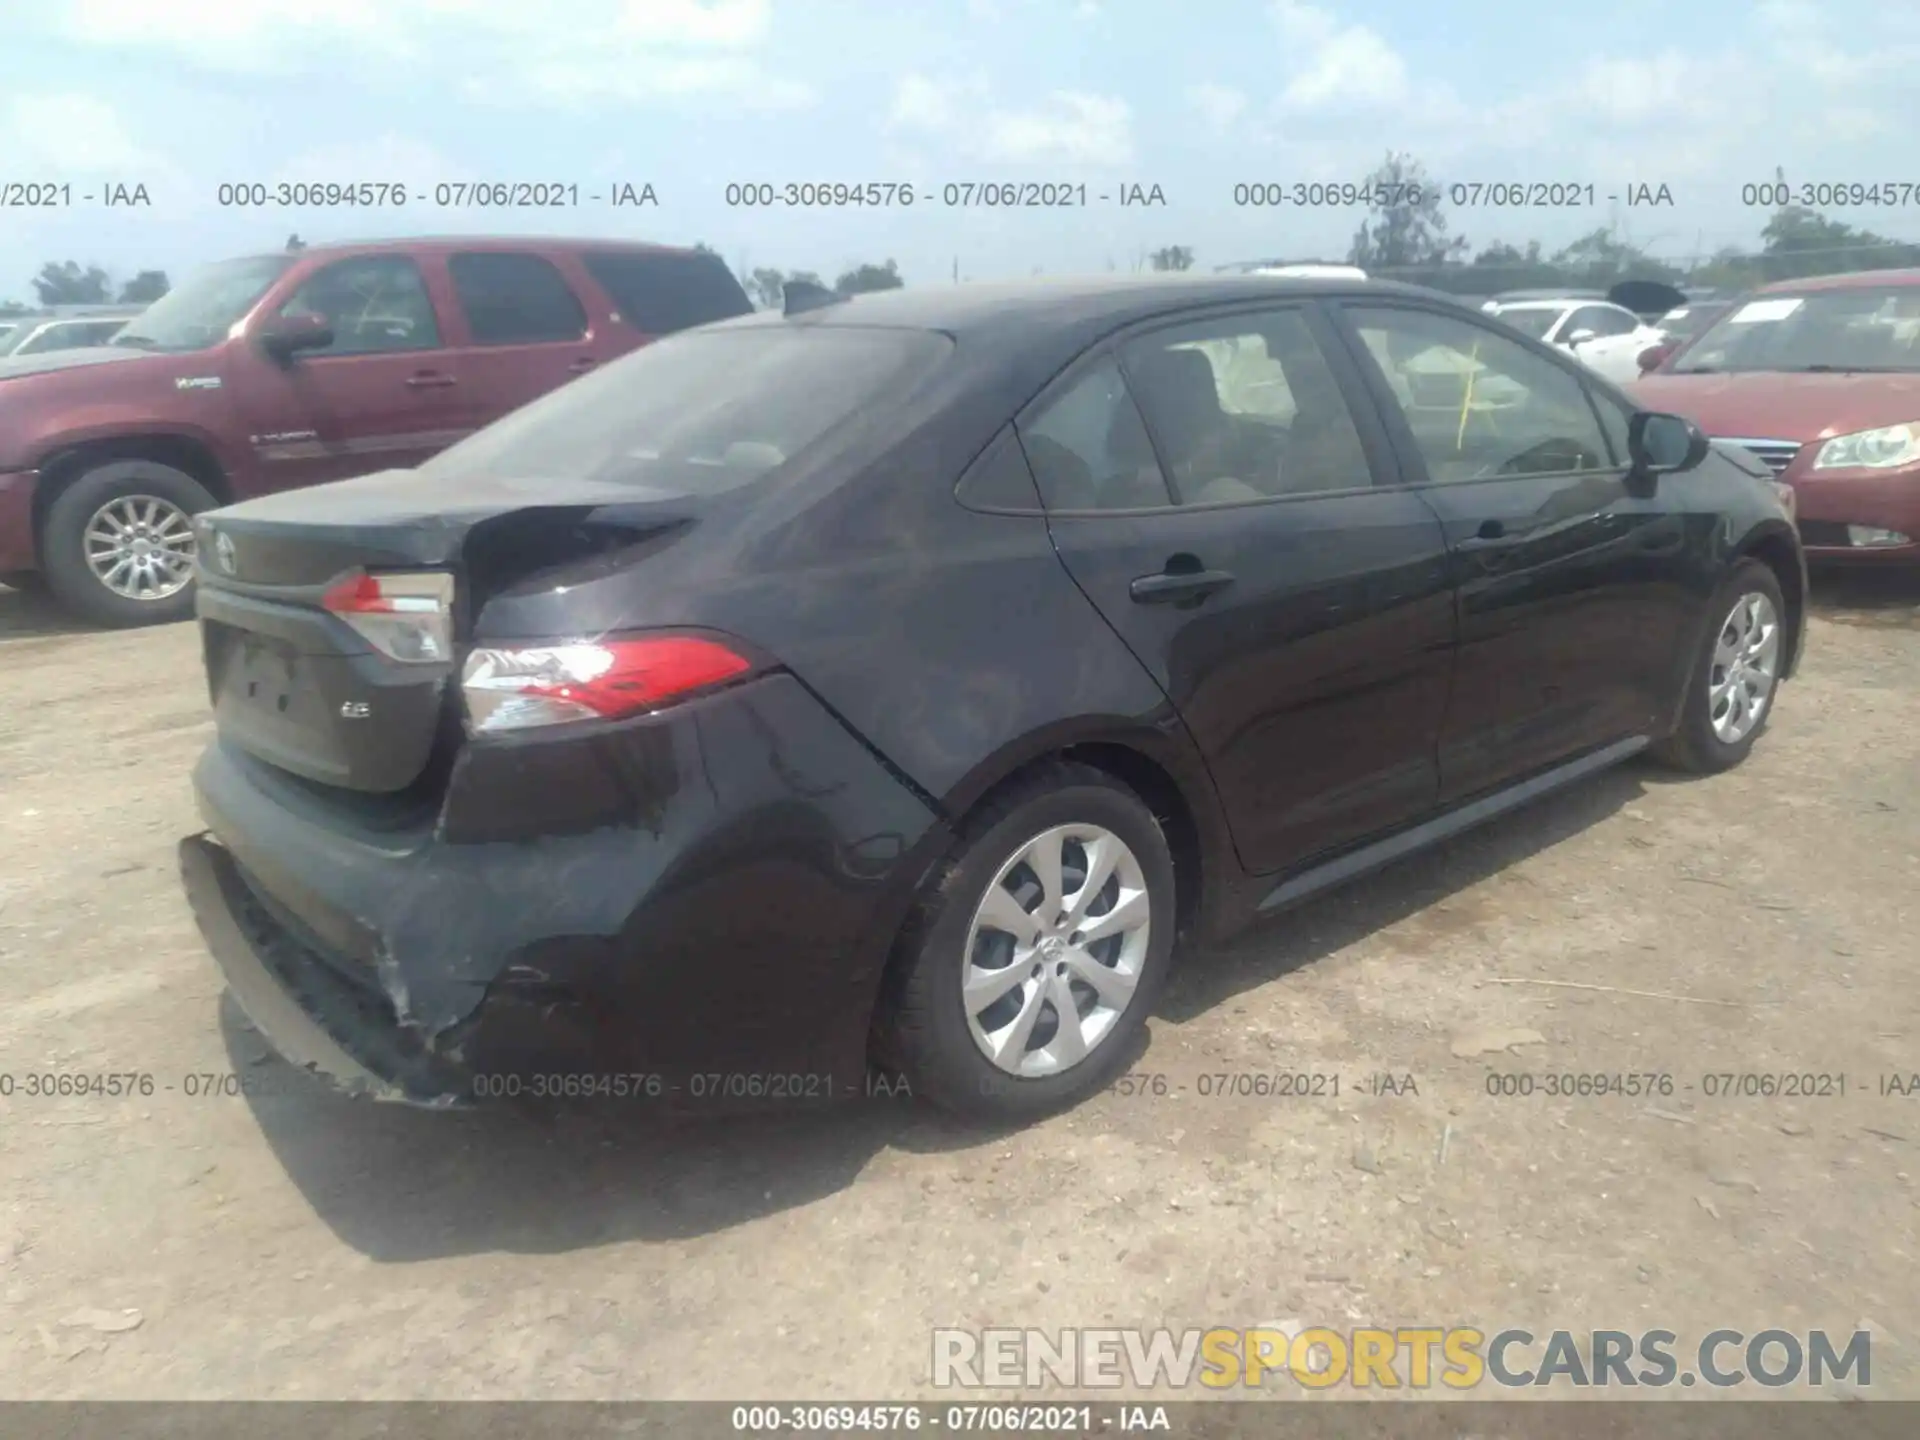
(405, 616)
(522, 687)
(408, 615)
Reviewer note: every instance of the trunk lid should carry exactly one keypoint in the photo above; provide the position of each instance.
(296, 681)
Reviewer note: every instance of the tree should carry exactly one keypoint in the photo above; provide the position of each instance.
(1173, 257)
(769, 286)
(144, 288)
(863, 279)
(1798, 241)
(700, 247)
(1407, 229)
(68, 284)
(1600, 259)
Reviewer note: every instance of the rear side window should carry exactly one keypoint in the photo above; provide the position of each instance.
(1089, 450)
(513, 299)
(662, 293)
(707, 411)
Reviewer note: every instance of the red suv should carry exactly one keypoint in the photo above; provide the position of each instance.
(276, 371)
(1821, 379)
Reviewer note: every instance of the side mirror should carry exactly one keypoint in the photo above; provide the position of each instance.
(1579, 337)
(1652, 356)
(1660, 444)
(285, 336)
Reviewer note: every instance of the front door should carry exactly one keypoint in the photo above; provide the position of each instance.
(1566, 578)
(384, 394)
(1212, 492)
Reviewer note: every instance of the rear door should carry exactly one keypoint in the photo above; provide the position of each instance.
(1213, 492)
(384, 394)
(1570, 585)
(523, 330)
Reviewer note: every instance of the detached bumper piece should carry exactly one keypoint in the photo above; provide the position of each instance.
(318, 1019)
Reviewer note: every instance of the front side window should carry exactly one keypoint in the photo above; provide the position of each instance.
(1534, 320)
(373, 303)
(1602, 320)
(1480, 404)
(512, 299)
(1088, 447)
(1246, 408)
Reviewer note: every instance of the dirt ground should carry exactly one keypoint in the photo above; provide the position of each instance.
(292, 1244)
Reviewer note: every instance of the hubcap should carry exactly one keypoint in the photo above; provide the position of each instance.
(1746, 667)
(141, 547)
(1055, 951)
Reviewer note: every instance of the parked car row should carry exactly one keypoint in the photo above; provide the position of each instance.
(897, 679)
(1820, 378)
(68, 330)
(275, 371)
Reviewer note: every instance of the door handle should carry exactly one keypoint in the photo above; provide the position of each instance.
(1492, 535)
(582, 365)
(429, 380)
(1173, 586)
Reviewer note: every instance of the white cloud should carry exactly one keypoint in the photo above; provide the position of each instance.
(1219, 105)
(1068, 127)
(1334, 65)
(71, 134)
(600, 51)
(392, 158)
(1071, 127)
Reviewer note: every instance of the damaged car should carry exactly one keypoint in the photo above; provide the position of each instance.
(883, 686)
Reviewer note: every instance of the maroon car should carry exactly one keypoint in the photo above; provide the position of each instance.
(275, 371)
(1821, 379)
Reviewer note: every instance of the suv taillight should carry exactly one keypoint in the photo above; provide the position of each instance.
(523, 687)
(406, 616)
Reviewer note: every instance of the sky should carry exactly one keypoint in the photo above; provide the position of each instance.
(182, 96)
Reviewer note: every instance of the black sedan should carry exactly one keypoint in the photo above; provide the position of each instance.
(883, 687)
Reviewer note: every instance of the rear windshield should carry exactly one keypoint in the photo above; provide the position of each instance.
(663, 293)
(702, 412)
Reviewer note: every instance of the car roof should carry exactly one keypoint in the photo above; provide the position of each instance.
(1067, 303)
(1542, 304)
(1852, 280)
(450, 244)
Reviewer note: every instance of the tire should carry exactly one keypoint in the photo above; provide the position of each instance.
(63, 540)
(926, 1030)
(1696, 745)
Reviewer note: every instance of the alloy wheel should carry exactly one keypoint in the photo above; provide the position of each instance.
(1055, 951)
(141, 547)
(1746, 668)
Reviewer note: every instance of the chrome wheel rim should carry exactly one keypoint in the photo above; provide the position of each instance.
(140, 547)
(1746, 667)
(1055, 951)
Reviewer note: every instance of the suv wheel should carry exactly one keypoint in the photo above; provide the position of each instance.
(1735, 676)
(1038, 955)
(118, 545)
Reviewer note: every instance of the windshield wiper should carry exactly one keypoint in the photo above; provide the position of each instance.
(140, 342)
(1851, 370)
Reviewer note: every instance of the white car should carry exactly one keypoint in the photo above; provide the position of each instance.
(1605, 337)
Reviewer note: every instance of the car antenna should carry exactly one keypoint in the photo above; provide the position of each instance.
(799, 296)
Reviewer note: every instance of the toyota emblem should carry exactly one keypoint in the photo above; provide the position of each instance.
(223, 552)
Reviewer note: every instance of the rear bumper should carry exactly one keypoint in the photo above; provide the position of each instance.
(1883, 502)
(691, 908)
(17, 550)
